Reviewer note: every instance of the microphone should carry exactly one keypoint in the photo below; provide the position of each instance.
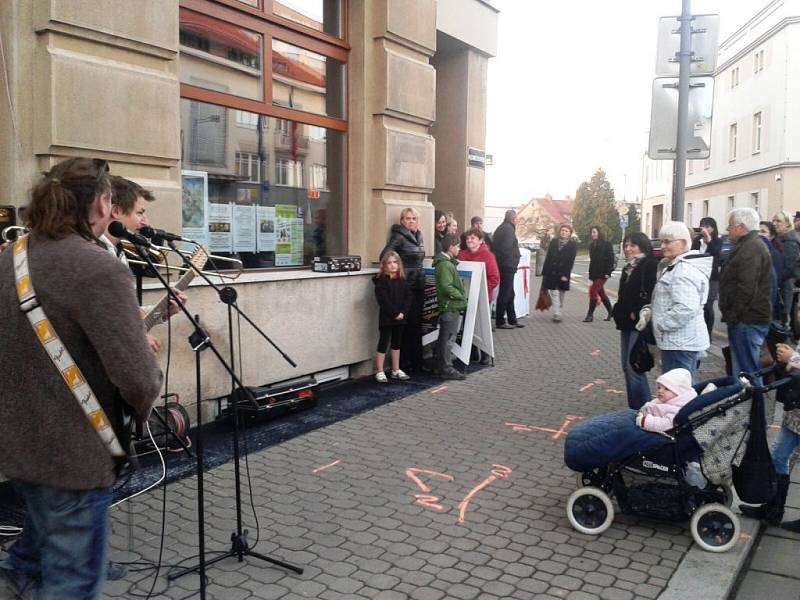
(159, 235)
(118, 230)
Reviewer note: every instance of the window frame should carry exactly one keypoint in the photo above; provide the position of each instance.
(733, 141)
(758, 117)
(261, 20)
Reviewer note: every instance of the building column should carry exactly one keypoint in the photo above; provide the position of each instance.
(391, 150)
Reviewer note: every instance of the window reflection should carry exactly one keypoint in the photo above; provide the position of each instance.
(307, 81)
(274, 186)
(220, 56)
(322, 15)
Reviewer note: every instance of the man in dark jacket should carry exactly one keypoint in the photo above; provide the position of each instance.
(506, 250)
(744, 290)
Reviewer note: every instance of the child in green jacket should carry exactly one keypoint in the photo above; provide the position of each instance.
(452, 301)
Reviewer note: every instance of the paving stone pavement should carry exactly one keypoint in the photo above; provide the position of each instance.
(434, 496)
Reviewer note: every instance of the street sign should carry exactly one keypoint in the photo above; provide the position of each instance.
(664, 118)
(705, 33)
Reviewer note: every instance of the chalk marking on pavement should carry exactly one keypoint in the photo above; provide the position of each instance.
(557, 433)
(426, 500)
(497, 472)
(323, 467)
(441, 388)
(613, 391)
(595, 352)
(583, 388)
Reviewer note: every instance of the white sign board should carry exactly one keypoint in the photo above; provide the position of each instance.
(522, 284)
(477, 322)
(705, 33)
(664, 118)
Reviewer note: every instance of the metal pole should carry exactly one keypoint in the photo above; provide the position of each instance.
(685, 57)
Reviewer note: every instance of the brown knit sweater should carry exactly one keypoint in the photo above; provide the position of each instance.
(45, 437)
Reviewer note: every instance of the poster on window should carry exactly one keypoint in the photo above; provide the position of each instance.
(219, 228)
(288, 236)
(265, 215)
(244, 219)
(194, 201)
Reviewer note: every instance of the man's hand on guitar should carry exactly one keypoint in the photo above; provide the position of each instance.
(154, 344)
(174, 309)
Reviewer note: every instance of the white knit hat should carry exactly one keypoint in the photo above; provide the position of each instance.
(677, 381)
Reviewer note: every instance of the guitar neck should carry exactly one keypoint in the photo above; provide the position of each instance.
(159, 313)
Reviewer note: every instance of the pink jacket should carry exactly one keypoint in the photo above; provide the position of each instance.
(659, 416)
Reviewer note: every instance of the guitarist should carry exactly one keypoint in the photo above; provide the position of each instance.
(54, 451)
(129, 207)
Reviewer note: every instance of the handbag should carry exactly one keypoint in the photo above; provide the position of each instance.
(545, 301)
(754, 477)
(641, 359)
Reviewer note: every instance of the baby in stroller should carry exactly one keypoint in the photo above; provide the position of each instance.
(682, 471)
(673, 391)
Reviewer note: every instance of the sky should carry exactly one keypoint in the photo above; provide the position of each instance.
(569, 92)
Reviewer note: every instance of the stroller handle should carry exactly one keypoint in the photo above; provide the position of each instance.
(751, 379)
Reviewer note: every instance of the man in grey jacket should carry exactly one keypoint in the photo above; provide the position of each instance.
(54, 457)
(745, 285)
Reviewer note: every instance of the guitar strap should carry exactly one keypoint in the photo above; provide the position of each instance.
(58, 353)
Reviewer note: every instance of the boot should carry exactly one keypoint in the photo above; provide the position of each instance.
(793, 526)
(772, 511)
(607, 304)
(590, 315)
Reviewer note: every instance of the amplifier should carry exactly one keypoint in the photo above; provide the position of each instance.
(273, 401)
(336, 264)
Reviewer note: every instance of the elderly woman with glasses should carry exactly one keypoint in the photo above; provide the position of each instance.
(679, 296)
(789, 240)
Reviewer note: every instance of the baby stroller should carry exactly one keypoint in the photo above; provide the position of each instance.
(685, 473)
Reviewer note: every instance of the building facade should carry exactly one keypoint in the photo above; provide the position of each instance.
(271, 131)
(755, 148)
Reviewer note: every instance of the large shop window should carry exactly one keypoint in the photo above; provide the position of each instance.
(272, 194)
(263, 130)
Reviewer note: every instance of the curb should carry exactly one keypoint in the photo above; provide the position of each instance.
(712, 576)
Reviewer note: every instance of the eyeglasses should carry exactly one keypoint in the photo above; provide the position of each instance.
(667, 242)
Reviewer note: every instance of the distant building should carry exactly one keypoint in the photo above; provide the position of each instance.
(542, 215)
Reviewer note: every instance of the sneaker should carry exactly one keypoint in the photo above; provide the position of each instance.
(380, 377)
(505, 326)
(399, 375)
(455, 375)
(115, 571)
(557, 318)
(519, 325)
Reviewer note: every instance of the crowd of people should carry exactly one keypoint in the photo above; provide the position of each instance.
(400, 290)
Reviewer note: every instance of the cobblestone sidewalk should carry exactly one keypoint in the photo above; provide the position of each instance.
(434, 496)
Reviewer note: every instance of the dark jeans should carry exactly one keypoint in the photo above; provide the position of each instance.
(679, 359)
(635, 383)
(745, 342)
(63, 541)
(505, 298)
(448, 328)
(708, 309)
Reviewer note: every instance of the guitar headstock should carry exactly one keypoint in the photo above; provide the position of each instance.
(199, 257)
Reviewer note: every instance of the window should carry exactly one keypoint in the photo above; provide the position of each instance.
(690, 168)
(731, 203)
(754, 200)
(263, 128)
(689, 215)
(732, 140)
(757, 133)
(707, 164)
(734, 77)
(705, 208)
(758, 61)
(249, 167)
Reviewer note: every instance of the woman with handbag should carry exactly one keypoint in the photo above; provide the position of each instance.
(635, 291)
(785, 444)
(601, 264)
(557, 268)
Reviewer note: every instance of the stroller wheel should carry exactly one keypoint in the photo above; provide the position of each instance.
(589, 510)
(715, 528)
(582, 480)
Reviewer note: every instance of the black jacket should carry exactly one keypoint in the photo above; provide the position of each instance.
(790, 242)
(394, 297)
(745, 283)
(558, 264)
(505, 246)
(714, 249)
(411, 250)
(601, 259)
(635, 292)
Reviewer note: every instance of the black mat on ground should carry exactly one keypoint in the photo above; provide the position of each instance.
(337, 402)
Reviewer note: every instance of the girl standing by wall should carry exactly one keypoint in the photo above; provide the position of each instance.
(394, 299)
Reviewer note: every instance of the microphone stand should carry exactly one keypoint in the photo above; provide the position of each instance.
(239, 545)
(198, 341)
